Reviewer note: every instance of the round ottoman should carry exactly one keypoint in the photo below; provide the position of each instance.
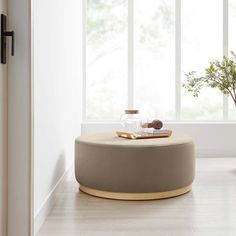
(111, 167)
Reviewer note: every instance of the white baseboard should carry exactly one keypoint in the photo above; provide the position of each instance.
(47, 205)
(215, 153)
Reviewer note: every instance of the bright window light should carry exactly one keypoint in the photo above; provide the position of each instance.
(154, 58)
(137, 53)
(201, 42)
(106, 59)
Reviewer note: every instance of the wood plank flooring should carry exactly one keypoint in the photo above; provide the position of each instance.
(208, 210)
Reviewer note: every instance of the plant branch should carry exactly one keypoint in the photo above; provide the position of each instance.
(220, 74)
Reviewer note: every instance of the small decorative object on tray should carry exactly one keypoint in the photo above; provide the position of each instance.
(155, 124)
(131, 120)
(144, 135)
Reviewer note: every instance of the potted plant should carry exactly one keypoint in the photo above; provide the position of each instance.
(220, 75)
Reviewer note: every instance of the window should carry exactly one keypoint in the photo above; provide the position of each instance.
(232, 46)
(154, 57)
(201, 42)
(136, 53)
(106, 59)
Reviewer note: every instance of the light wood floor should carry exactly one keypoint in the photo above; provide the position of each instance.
(209, 210)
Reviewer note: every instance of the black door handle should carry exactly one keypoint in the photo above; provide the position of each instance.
(5, 34)
(12, 35)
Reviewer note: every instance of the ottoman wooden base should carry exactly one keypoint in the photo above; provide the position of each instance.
(135, 196)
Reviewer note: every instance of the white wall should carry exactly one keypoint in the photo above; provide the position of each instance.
(211, 139)
(57, 93)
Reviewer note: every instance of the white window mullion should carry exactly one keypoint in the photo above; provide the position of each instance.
(84, 17)
(177, 58)
(225, 51)
(130, 54)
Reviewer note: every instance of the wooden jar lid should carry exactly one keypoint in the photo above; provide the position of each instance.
(131, 111)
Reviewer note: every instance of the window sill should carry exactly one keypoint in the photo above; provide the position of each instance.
(226, 122)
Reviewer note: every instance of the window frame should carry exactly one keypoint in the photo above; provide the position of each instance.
(130, 80)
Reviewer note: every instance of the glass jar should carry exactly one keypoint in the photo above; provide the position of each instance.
(131, 121)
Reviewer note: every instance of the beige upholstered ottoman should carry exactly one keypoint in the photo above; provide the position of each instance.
(112, 167)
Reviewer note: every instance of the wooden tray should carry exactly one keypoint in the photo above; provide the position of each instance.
(143, 135)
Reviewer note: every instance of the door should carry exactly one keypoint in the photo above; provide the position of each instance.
(3, 140)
